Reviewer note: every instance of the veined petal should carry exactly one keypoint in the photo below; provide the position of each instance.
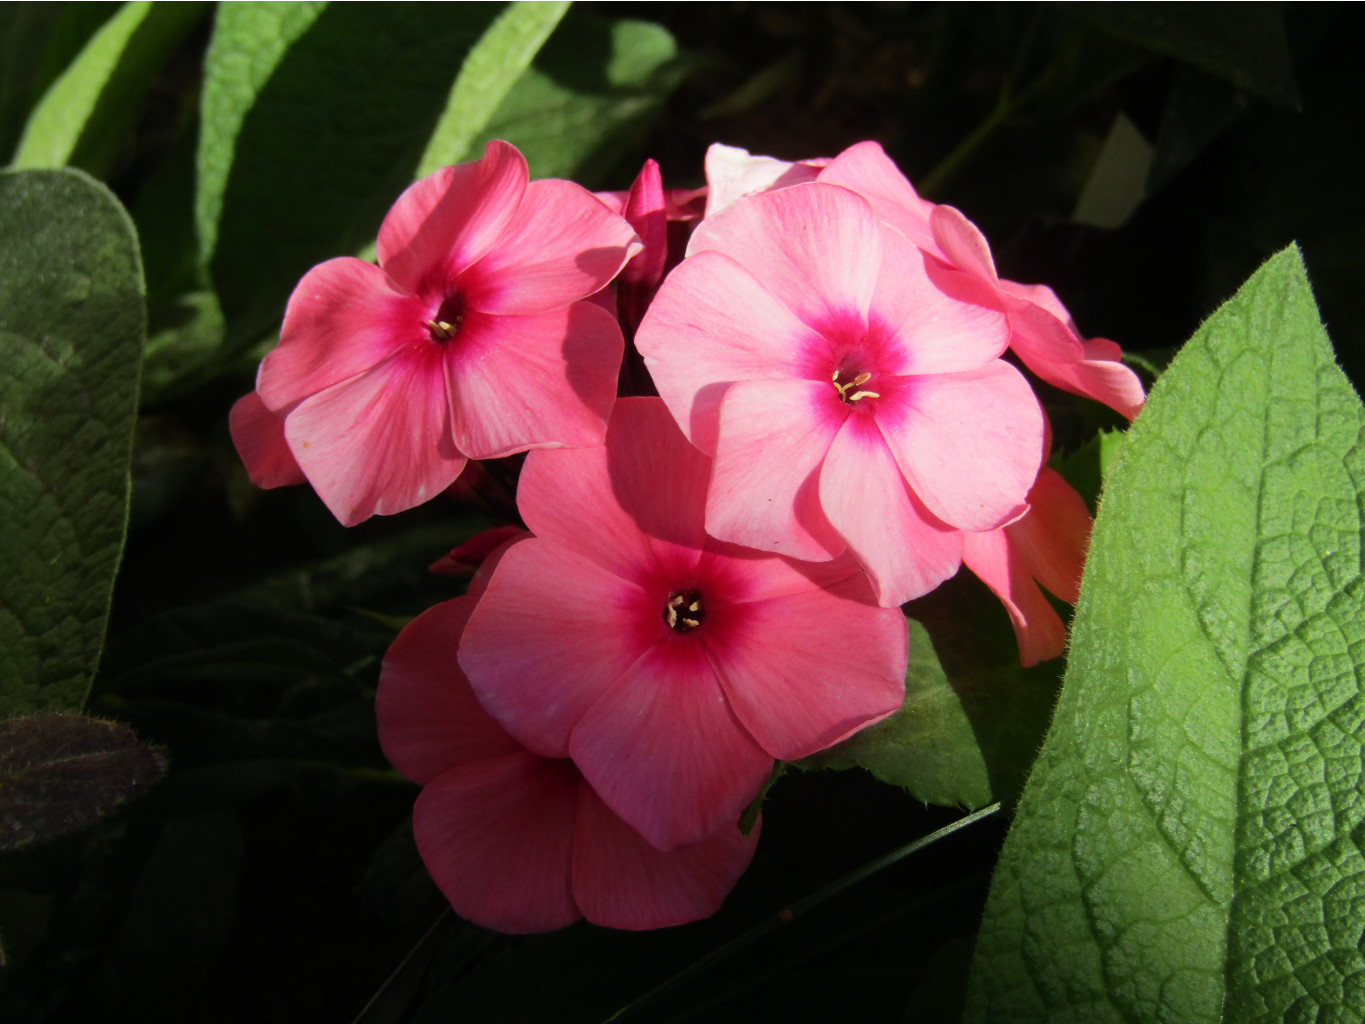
(378, 443)
(258, 436)
(429, 720)
(551, 634)
(765, 486)
(1037, 626)
(562, 246)
(449, 219)
(969, 443)
(713, 323)
(497, 837)
(962, 243)
(621, 881)
(867, 170)
(664, 750)
(1051, 541)
(815, 247)
(344, 318)
(806, 670)
(906, 551)
(519, 382)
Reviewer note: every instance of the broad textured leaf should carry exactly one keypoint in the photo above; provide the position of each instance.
(59, 772)
(1189, 845)
(589, 93)
(84, 116)
(314, 119)
(972, 718)
(71, 334)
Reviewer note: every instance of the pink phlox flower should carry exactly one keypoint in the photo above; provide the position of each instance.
(671, 667)
(516, 841)
(469, 340)
(848, 385)
(732, 173)
(258, 435)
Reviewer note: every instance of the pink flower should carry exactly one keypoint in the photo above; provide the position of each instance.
(1046, 546)
(848, 385)
(516, 841)
(258, 436)
(670, 666)
(468, 341)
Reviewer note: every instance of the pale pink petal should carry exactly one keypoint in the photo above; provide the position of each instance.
(643, 492)
(711, 324)
(379, 443)
(449, 219)
(1051, 541)
(765, 487)
(258, 436)
(518, 382)
(621, 881)
(562, 246)
(1037, 626)
(1040, 338)
(962, 243)
(936, 330)
(664, 750)
(497, 838)
(429, 720)
(969, 443)
(1037, 295)
(905, 550)
(807, 670)
(551, 634)
(343, 318)
(815, 247)
(867, 170)
(732, 172)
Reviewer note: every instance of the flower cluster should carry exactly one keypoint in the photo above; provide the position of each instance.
(708, 580)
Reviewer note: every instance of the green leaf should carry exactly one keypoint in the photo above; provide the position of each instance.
(59, 772)
(314, 120)
(973, 717)
(71, 334)
(24, 31)
(83, 118)
(1188, 847)
(589, 94)
(488, 74)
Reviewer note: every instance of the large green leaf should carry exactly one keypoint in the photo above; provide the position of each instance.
(84, 116)
(1189, 845)
(71, 333)
(314, 119)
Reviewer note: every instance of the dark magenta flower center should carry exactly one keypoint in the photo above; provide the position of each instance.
(683, 611)
(446, 323)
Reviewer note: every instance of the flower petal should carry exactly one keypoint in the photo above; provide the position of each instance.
(765, 487)
(961, 242)
(1051, 541)
(497, 837)
(868, 171)
(518, 382)
(732, 173)
(905, 550)
(807, 670)
(969, 443)
(344, 318)
(258, 436)
(449, 219)
(562, 246)
(429, 719)
(664, 750)
(1037, 626)
(621, 881)
(378, 443)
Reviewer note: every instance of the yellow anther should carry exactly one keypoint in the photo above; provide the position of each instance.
(862, 394)
(862, 378)
(442, 330)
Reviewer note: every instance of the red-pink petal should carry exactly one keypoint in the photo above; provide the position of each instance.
(451, 218)
(664, 750)
(429, 720)
(552, 633)
(497, 836)
(815, 247)
(713, 323)
(1051, 541)
(905, 550)
(969, 443)
(379, 443)
(867, 170)
(562, 246)
(646, 212)
(1037, 626)
(344, 318)
(807, 670)
(621, 881)
(961, 242)
(258, 435)
(765, 486)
